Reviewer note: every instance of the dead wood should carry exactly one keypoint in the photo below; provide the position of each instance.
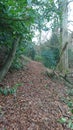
(53, 73)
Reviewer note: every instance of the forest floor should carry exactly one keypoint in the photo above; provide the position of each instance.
(38, 103)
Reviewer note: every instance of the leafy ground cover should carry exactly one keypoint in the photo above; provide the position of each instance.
(38, 102)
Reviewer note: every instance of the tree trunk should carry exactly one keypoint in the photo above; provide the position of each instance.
(65, 34)
(9, 59)
(63, 10)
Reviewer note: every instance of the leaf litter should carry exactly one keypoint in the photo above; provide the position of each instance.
(37, 105)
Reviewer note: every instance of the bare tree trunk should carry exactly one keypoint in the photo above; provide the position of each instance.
(65, 34)
(63, 9)
(61, 54)
(9, 60)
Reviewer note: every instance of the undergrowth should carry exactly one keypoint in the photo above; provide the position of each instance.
(7, 90)
(68, 121)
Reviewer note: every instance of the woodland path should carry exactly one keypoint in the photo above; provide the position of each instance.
(38, 104)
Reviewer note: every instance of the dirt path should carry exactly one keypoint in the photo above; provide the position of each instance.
(37, 105)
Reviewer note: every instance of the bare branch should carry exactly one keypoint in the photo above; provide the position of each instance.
(70, 31)
(70, 21)
(69, 2)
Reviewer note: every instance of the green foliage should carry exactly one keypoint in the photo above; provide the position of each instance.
(70, 124)
(6, 91)
(69, 121)
(62, 120)
(70, 92)
(38, 58)
(70, 104)
(16, 17)
(30, 51)
(49, 52)
(16, 64)
(50, 57)
(22, 18)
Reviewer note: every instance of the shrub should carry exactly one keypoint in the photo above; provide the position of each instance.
(50, 57)
(6, 91)
(30, 51)
(38, 58)
(68, 122)
(16, 64)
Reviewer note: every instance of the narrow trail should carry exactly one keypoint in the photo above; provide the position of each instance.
(37, 105)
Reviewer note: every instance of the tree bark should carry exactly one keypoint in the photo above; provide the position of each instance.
(63, 9)
(9, 59)
(62, 52)
(65, 35)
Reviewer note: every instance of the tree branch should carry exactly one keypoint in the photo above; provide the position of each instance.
(70, 21)
(69, 2)
(70, 30)
(51, 46)
(15, 19)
